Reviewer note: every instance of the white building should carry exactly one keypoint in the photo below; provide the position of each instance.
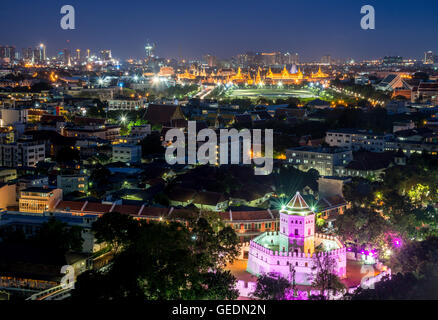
(127, 153)
(71, 183)
(325, 160)
(9, 116)
(125, 104)
(357, 139)
(21, 154)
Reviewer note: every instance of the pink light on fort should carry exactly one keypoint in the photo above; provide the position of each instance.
(397, 242)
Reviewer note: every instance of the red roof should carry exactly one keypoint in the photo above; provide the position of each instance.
(127, 209)
(154, 212)
(248, 215)
(97, 207)
(251, 215)
(70, 205)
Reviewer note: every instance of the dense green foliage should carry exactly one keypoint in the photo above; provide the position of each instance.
(162, 261)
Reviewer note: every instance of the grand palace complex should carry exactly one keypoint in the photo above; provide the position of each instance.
(258, 77)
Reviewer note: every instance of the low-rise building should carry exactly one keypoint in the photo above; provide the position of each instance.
(323, 159)
(7, 195)
(126, 104)
(357, 139)
(7, 174)
(73, 182)
(126, 153)
(23, 153)
(106, 132)
(39, 200)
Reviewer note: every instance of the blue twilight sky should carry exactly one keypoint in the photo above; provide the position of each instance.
(192, 28)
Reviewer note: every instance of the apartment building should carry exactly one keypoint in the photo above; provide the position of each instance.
(21, 154)
(357, 140)
(72, 183)
(127, 153)
(125, 104)
(323, 159)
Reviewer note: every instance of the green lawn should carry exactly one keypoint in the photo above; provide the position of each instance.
(273, 93)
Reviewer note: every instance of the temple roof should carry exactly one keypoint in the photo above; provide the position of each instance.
(297, 206)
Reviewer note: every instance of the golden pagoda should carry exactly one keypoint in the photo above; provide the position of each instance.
(238, 76)
(249, 80)
(258, 79)
(319, 74)
(186, 76)
(284, 76)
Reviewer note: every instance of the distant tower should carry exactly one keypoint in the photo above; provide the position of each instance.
(297, 227)
(149, 47)
(67, 57)
(42, 52)
(428, 57)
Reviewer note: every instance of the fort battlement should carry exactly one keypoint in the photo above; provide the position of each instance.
(247, 288)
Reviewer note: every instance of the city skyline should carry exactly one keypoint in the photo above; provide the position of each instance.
(191, 30)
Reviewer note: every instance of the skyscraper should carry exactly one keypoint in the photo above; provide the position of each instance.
(67, 57)
(7, 52)
(149, 47)
(105, 55)
(327, 59)
(210, 60)
(42, 52)
(27, 54)
(428, 57)
(291, 58)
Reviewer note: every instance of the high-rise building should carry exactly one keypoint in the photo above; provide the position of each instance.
(149, 47)
(67, 57)
(39, 53)
(327, 59)
(290, 58)
(210, 60)
(392, 60)
(106, 55)
(27, 54)
(78, 54)
(7, 52)
(428, 57)
(43, 52)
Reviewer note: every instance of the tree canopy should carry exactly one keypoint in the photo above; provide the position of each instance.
(162, 261)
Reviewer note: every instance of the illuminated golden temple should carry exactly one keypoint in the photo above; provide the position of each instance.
(285, 76)
(239, 77)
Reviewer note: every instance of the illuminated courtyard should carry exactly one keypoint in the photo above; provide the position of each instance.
(270, 93)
